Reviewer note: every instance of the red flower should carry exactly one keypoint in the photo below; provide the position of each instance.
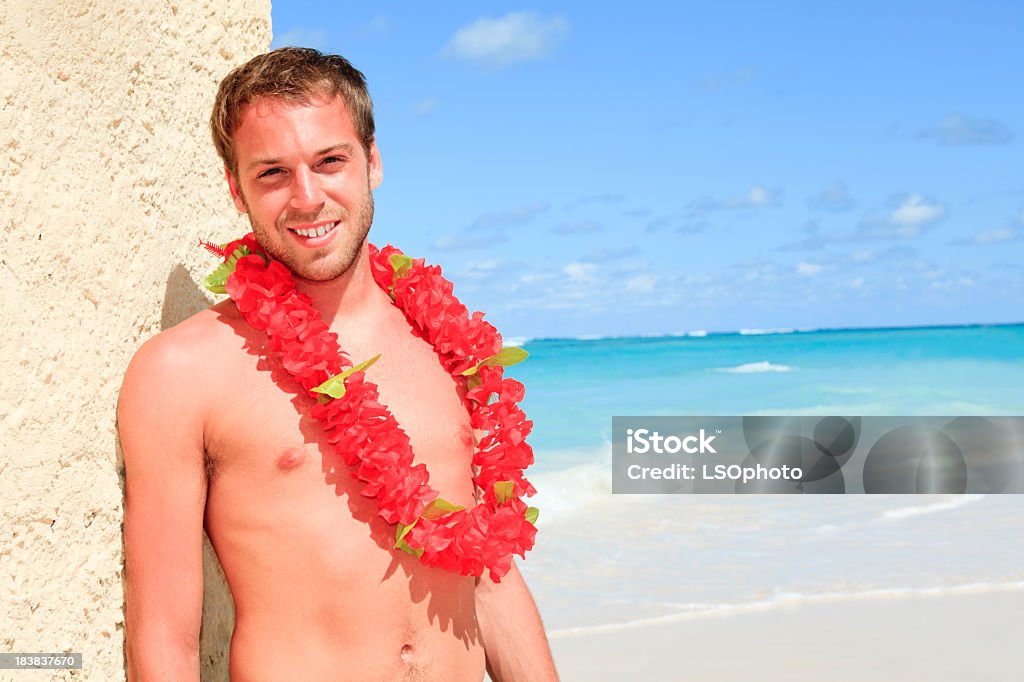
(248, 241)
(433, 537)
(367, 436)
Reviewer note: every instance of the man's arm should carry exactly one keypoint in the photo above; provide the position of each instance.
(513, 636)
(165, 495)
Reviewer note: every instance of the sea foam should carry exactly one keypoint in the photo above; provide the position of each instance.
(917, 510)
(755, 368)
(562, 492)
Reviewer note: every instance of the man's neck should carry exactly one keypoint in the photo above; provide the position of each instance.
(350, 295)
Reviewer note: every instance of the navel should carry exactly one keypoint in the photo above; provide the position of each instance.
(290, 458)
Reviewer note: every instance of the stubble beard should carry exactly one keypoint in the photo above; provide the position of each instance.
(326, 264)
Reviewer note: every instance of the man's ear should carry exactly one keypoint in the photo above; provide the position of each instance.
(376, 167)
(236, 193)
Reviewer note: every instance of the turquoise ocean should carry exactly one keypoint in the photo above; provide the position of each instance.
(607, 562)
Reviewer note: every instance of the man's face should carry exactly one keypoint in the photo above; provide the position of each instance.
(305, 183)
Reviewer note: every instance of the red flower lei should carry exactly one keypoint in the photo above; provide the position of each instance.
(364, 432)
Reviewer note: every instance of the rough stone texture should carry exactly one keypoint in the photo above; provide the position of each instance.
(107, 179)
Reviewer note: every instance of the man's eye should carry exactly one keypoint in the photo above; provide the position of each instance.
(333, 159)
(269, 172)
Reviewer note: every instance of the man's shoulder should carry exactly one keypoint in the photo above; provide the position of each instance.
(173, 383)
(192, 350)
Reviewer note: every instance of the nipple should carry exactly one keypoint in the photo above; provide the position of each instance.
(290, 458)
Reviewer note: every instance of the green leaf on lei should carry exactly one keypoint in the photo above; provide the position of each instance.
(335, 386)
(439, 507)
(504, 491)
(217, 280)
(400, 532)
(400, 263)
(506, 357)
(531, 514)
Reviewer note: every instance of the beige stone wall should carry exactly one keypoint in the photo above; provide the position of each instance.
(107, 179)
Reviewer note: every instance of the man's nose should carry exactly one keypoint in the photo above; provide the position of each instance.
(306, 191)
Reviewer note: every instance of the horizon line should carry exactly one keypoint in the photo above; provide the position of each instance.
(702, 333)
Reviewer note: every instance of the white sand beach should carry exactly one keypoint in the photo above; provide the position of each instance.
(966, 635)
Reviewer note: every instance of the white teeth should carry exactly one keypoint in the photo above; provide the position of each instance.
(317, 232)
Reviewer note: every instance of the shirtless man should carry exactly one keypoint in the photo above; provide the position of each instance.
(213, 433)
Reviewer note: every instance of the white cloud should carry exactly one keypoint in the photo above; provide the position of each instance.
(480, 268)
(835, 197)
(517, 215)
(957, 130)
(683, 223)
(534, 277)
(908, 217)
(300, 37)
(578, 227)
(1003, 234)
(857, 282)
(809, 269)
(605, 255)
(424, 106)
(862, 256)
(755, 197)
(458, 242)
(915, 210)
(489, 228)
(580, 272)
(960, 282)
(515, 37)
(641, 284)
(999, 235)
(379, 24)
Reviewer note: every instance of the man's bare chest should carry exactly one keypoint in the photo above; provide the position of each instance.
(265, 439)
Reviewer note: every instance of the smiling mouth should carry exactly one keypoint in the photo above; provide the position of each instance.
(316, 231)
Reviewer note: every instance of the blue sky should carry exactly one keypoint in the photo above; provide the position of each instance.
(586, 169)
